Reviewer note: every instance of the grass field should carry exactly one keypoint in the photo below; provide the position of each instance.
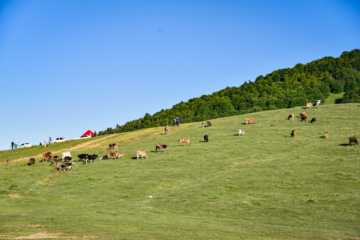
(265, 185)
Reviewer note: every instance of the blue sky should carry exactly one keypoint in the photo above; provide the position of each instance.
(67, 66)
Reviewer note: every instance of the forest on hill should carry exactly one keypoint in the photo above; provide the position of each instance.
(283, 88)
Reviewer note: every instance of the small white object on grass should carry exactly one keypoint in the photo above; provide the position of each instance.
(150, 196)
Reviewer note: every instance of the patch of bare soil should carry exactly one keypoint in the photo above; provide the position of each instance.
(42, 235)
(15, 195)
(34, 226)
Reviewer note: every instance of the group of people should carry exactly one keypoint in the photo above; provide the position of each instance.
(176, 122)
(45, 143)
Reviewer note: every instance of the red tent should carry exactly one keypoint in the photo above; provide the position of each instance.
(88, 133)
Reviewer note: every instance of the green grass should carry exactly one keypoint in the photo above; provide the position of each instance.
(334, 98)
(265, 185)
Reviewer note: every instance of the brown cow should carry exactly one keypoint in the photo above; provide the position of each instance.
(55, 160)
(250, 120)
(185, 140)
(293, 133)
(142, 154)
(113, 145)
(303, 117)
(160, 147)
(32, 161)
(113, 154)
(291, 116)
(309, 105)
(313, 119)
(47, 156)
(353, 140)
(208, 124)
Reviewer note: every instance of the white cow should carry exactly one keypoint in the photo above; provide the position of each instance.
(317, 103)
(241, 132)
(66, 154)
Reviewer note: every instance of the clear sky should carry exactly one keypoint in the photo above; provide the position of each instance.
(67, 66)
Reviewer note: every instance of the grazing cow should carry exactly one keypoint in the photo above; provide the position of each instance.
(291, 116)
(326, 135)
(112, 154)
(276, 123)
(113, 145)
(206, 138)
(91, 158)
(303, 116)
(67, 158)
(83, 156)
(185, 140)
(47, 156)
(32, 161)
(104, 157)
(65, 166)
(142, 154)
(66, 155)
(8, 162)
(87, 157)
(55, 160)
(293, 133)
(313, 120)
(241, 132)
(208, 124)
(160, 147)
(250, 120)
(353, 140)
(309, 105)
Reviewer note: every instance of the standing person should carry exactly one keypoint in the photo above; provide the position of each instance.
(49, 141)
(173, 123)
(12, 145)
(177, 121)
(44, 143)
(16, 144)
(166, 129)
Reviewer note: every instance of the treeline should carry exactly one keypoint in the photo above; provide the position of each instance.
(283, 88)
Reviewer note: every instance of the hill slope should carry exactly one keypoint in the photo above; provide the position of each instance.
(283, 88)
(265, 185)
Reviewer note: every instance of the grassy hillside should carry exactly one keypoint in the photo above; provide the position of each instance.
(334, 98)
(265, 185)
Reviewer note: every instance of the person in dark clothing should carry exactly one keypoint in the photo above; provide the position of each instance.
(177, 121)
(12, 145)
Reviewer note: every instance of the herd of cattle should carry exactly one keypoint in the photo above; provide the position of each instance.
(89, 158)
